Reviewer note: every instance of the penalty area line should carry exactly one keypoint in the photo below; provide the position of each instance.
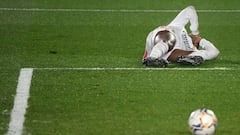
(116, 10)
(137, 69)
(20, 102)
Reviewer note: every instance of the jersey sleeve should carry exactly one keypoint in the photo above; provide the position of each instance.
(187, 15)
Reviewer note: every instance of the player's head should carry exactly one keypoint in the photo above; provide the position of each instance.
(166, 35)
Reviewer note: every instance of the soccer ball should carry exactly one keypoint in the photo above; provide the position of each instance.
(202, 122)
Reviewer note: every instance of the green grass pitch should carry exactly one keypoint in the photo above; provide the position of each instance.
(113, 102)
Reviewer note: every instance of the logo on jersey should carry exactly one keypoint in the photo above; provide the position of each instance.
(185, 39)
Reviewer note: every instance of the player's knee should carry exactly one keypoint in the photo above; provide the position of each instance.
(216, 52)
(213, 53)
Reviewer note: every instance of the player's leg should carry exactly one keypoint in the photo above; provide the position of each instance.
(197, 57)
(177, 53)
(149, 45)
(182, 57)
(209, 51)
(153, 52)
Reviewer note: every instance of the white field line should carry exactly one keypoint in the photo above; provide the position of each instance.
(117, 10)
(20, 102)
(137, 69)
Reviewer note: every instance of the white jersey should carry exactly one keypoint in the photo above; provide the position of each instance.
(183, 40)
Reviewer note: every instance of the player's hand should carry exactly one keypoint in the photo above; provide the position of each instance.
(195, 39)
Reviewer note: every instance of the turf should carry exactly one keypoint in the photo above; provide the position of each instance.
(113, 102)
(122, 102)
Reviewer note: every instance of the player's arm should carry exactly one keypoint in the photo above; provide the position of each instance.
(195, 39)
(185, 16)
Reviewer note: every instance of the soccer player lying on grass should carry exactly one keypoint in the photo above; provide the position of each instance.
(172, 43)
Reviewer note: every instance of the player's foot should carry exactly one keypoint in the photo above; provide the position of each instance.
(155, 62)
(190, 60)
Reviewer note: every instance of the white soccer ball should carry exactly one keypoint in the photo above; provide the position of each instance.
(202, 122)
